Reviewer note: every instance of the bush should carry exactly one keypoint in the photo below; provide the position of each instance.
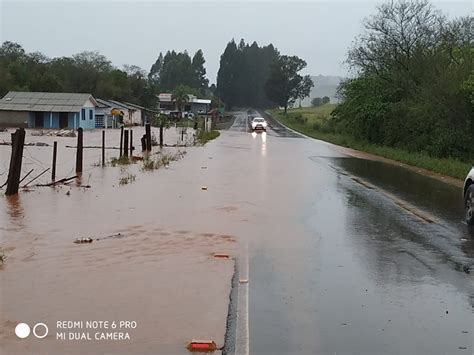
(298, 117)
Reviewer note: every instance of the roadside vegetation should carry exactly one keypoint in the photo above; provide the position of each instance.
(202, 137)
(316, 122)
(412, 96)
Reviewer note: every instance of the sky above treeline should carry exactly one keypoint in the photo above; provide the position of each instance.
(134, 32)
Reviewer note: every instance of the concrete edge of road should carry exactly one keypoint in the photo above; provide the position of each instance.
(241, 312)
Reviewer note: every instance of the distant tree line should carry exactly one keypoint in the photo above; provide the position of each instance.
(414, 82)
(91, 72)
(88, 72)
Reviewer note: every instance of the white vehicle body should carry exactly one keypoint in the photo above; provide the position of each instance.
(259, 123)
(468, 194)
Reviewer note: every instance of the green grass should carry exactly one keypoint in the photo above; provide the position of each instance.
(203, 137)
(310, 120)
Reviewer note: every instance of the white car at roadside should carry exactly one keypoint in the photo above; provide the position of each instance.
(469, 197)
(258, 123)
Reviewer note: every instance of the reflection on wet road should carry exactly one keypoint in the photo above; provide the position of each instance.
(339, 267)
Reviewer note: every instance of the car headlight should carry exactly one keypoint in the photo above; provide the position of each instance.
(264, 124)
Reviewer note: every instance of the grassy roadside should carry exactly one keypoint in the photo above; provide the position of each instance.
(310, 120)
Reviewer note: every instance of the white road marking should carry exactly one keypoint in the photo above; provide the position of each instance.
(242, 346)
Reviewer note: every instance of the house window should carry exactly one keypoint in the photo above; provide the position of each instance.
(100, 121)
(91, 115)
(83, 114)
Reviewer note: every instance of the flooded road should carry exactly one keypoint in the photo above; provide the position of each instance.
(342, 262)
(346, 255)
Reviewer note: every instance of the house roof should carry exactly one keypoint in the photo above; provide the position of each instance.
(135, 106)
(121, 104)
(44, 101)
(103, 103)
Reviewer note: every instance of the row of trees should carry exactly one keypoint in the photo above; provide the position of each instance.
(249, 75)
(84, 72)
(176, 68)
(414, 82)
(93, 73)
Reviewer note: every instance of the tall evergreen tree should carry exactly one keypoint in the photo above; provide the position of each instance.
(199, 72)
(227, 72)
(155, 70)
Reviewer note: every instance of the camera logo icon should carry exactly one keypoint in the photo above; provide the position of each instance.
(23, 330)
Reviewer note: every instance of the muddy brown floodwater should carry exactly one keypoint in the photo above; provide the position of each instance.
(345, 255)
(158, 272)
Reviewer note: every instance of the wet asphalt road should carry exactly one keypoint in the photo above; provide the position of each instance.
(341, 267)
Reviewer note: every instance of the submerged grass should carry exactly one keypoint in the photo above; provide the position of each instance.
(124, 180)
(313, 126)
(203, 137)
(123, 160)
(163, 159)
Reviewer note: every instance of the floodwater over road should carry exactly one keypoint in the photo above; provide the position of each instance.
(343, 262)
(346, 256)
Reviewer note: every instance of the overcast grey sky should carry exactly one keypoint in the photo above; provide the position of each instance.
(134, 32)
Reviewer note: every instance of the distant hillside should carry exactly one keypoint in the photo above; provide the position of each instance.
(323, 86)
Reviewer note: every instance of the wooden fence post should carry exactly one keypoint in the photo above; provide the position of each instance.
(121, 141)
(148, 136)
(125, 142)
(79, 151)
(18, 142)
(55, 151)
(103, 148)
(131, 142)
(161, 135)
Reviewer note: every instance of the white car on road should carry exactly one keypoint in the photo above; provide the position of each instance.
(258, 123)
(469, 197)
